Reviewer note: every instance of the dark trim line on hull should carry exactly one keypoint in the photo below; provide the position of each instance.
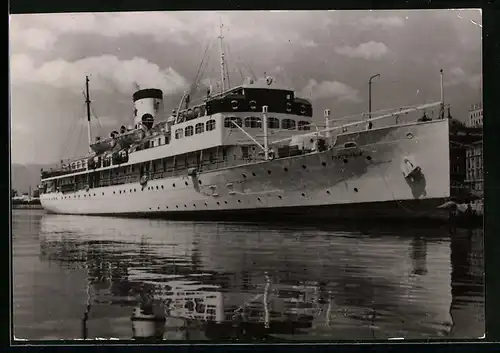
(394, 211)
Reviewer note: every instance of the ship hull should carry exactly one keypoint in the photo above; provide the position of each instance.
(365, 175)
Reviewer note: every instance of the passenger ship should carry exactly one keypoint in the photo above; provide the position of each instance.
(253, 151)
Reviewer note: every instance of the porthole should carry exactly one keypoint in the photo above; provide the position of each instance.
(239, 201)
(173, 185)
(150, 208)
(185, 206)
(166, 207)
(244, 175)
(186, 183)
(157, 187)
(218, 203)
(199, 182)
(225, 202)
(304, 166)
(285, 169)
(279, 197)
(162, 187)
(409, 135)
(355, 189)
(134, 190)
(303, 194)
(176, 206)
(114, 192)
(258, 198)
(328, 192)
(94, 194)
(346, 161)
(102, 194)
(158, 207)
(130, 190)
(120, 192)
(206, 204)
(323, 164)
(268, 172)
(194, 205)
(369, 158)
(253, 174)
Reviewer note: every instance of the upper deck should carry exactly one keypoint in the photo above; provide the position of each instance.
(206, 126)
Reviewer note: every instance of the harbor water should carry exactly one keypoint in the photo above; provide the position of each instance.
(90, 277)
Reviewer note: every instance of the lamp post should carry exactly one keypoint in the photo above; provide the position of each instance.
(370, 95)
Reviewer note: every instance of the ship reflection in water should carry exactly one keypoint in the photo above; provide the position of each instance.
(156, 280)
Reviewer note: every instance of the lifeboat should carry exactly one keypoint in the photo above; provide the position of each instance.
(130, 137)
(101, 146)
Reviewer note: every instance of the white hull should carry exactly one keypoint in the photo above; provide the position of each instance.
(373, 174)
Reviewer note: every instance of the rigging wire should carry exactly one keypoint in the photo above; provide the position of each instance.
(198, 73)
(72, 129)
(227, 67)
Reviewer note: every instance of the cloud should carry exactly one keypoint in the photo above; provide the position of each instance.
(387, 22)
(458, 76)
(330, 89)
(369, 50)
(36, 38)
(107, 72)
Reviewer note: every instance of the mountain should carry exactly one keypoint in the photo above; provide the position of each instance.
(25, 175)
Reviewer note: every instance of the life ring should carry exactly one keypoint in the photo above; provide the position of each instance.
(289, 107)
(253, 105)
(234, 104)
(144, 180)
(302, 109)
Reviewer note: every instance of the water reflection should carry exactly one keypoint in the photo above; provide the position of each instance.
(222, 281)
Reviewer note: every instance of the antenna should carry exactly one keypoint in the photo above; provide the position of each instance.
(222, 58)
(87, 102)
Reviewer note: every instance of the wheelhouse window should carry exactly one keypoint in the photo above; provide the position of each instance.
(304, 125)
(199, 128)
(188, 131)
(273, 123)
(179, 133)
(210, 126)
(253, 122)
(288, 124)
(229, 124)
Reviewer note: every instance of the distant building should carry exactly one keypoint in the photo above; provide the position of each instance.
(474, 154)
(474, 167)
(475, 116)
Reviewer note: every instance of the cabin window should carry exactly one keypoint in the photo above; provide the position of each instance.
(151, 143)
(304, 125)
(288, 124)
(78, 165)
(199, 128)
(188, 131)
(210, 125)
(229, 124)
(179, 133)
(273, 123)
(253, 122)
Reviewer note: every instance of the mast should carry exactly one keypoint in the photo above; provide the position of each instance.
(442, 95)
(222, 69)
(87, 102)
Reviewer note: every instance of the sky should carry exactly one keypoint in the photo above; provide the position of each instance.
(325, 56)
